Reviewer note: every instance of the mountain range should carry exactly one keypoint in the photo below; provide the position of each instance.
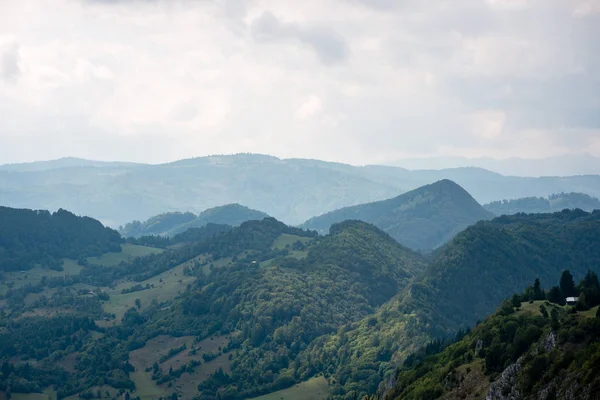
(292, 190)
(566, 165)
(553, 203)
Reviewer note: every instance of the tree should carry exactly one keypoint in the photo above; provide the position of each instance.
(567, 285)
(581, 303)
(555, 296)
(538, 293)
(516, 301)
(138, 303)
(590, 286)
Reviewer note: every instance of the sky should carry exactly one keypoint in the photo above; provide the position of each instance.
(356, 81)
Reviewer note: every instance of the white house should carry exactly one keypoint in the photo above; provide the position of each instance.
(572, 300)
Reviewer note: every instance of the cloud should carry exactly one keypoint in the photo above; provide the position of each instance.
(329, 46)
(9, 61)
(309, 108)
(487, 124)
(343, 80)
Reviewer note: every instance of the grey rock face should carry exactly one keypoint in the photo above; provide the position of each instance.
(505, 387)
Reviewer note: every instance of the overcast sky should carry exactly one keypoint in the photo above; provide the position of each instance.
(358, 81)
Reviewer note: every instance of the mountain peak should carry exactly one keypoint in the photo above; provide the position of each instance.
(421, 219)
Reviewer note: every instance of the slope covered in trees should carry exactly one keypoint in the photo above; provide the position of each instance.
(529, 348)
(421, 219)
(279, 305)
(270, 288)
(466, 280)
(170, 224)
(29, 237)
(288, 304)
(553, 203)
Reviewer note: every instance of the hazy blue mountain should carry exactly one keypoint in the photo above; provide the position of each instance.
(552, 203)
(66, 162)
(291, 190)
(421, 219)
(576, 164)
(169, 224)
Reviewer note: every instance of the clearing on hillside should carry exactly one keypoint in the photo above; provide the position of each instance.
(34, 275)
(163, 287)
(285, 239)
(313, 389)
(48, 394)
(187, 384)
(128, 252)
(533, 309)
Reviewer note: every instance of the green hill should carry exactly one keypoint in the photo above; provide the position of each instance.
(279, 305)
(170, 224)
(29, 238)
(421, 219)
(267, 288)
(237, 312)
(465, 281)
(534, 349)
(553, 203)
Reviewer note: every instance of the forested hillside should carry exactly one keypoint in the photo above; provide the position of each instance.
(466, 280)
(421, 219)
(277, 306)
(170, 224)
(269, 288)
(531, 347)
(28, 238)
(236, 312)
(553, 203)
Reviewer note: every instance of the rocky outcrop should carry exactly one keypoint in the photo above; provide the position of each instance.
(505, 387)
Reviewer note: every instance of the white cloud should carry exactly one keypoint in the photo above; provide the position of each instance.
(487, 124)
(9, 59)
(309, 108)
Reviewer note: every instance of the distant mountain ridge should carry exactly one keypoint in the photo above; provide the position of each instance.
(552, 203)
(421, 219)
(291, 190)
(566, 165)
(170, 224)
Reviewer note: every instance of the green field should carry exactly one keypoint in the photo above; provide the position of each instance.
(70, 267)
(533, 309)
(48, 394)
(312, 389)
(286, 239)
(187, 384)
(167, 285)
(128, 253)
(34, 275)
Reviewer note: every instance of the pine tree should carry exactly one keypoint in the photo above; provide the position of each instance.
(567, 285)
(538, 293)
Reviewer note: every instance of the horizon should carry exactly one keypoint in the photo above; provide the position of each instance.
(502, 166)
